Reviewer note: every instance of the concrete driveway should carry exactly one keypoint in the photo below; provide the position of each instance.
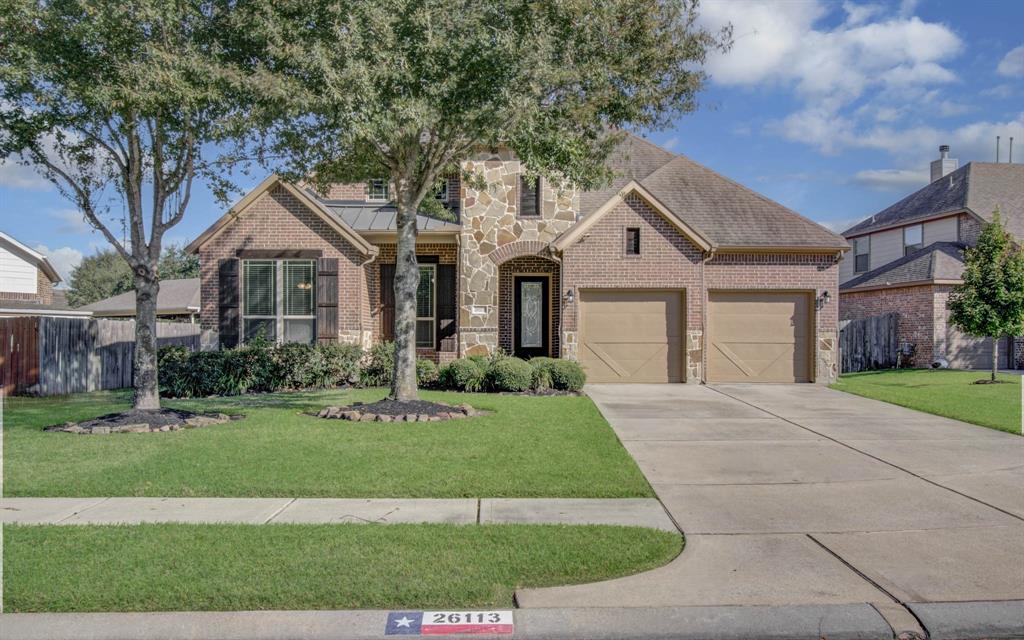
(797, 494)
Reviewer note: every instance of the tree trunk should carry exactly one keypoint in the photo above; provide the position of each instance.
(995, 357)
(147, 392)
(407, 280)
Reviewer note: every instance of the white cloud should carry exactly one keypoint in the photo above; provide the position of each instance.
(63, 259)
(71, 221)
(1004, 90)
(949, 108)
(892, 179)
(839, 226)
(19, 176)
(671, 143)
(1012, 64)
(860, 13)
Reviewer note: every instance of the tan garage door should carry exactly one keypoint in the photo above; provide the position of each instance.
(967, 352)
(632, 336)
(760, 336)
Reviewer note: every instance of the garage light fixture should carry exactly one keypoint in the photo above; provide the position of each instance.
(823, 300)
(569, 296)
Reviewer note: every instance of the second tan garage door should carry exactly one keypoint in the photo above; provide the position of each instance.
(631, 336)
(759, 336)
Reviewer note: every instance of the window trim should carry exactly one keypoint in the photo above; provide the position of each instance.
(279, 316)
(910, 248)
(630, 245)
(433, 304)
(385, 188)
(867, 240)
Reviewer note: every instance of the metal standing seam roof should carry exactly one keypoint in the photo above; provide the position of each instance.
(980, 187)
(370, 216)
(937, 261)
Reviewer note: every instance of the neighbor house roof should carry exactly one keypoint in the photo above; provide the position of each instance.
(727, 214)
(176, 297)
(30, 255)
(938, 262)
(977, 187)
(59, 307)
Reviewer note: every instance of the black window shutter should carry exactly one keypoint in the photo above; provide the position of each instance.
(528, 193)
(446, 306)
(227, 314)
(327, 299)
(387, 302)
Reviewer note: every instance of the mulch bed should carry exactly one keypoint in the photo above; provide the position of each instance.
(395, 411)
(138, 421)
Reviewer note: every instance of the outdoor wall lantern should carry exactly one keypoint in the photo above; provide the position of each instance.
(569, 296)
(823, 299)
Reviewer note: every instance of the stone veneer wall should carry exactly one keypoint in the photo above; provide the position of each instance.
(276, 220)
(42, 295)
(526, 265)
(801, 272)
(916, 307)
(490, 222)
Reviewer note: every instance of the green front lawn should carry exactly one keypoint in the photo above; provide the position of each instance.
(944, 392)
(178, 567)
(528, 447)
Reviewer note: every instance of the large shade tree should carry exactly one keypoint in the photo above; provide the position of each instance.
(404, 89)
(990, 302)
(113, 102)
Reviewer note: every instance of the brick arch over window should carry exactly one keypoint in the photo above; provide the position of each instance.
(518, 249)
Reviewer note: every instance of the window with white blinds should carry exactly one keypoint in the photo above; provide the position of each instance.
(279, 300)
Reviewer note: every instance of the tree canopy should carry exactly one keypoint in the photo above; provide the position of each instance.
(105, 274)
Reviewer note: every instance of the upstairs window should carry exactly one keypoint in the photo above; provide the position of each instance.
(632, 241)
(378, 191)
(279, 300)
(442, 191)
(913, 238)
(861, 254)
(529, 197)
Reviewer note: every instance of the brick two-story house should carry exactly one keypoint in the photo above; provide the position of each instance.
(672, 273)
(909, 256)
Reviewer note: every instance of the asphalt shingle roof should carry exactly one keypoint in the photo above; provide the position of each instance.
(722, 210)
(937, 261)
(977, 186)
(175, 296)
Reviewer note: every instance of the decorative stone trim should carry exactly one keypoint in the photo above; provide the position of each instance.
(353, 414)
(518, 249)
(193, 422)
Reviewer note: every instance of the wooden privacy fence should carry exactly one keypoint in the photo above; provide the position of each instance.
(870, 343)
(53, 356)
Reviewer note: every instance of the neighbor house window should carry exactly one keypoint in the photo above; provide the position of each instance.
(529, 197)
(861, 254)
(426, 306)
(633, 241)
(913, 238)
(378, 190)
(279, 300)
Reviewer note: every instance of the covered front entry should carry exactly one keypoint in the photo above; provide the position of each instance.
(632, 335)
(760, 336)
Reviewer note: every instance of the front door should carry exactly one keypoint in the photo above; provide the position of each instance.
(531, 326)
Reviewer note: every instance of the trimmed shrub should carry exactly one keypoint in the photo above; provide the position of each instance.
(426, 372)
(340, 364)
(567, 375)
(464, 374)
(541, 373)
(510, 374)
(172, 365)
(203, 374)
(378, 370)
(299, 365)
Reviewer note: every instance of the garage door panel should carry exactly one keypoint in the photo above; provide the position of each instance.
(759, 337)
(631, 336)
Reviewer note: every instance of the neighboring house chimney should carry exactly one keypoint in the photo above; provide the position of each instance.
(944, 164)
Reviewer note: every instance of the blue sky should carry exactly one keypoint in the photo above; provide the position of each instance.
(831, 108)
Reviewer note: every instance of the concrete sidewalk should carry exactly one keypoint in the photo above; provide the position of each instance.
(640, 512)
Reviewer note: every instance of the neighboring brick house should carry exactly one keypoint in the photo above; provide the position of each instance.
(908, 257)
(671, 273)
(27, 281)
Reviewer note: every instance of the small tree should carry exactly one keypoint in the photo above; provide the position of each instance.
(990, 302)
(99, 276)
(113, 102)
(405, 89)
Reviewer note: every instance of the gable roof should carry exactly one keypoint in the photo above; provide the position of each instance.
(30, 255)
(976, 187)
(176, 297)
(727, 214)
(938, 262)
(302, 196)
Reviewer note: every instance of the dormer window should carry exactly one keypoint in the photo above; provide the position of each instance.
(377, 191)
(529, 197)
(913, 238)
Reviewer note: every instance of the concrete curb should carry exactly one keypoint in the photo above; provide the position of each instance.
(836, 622)
(970, 620)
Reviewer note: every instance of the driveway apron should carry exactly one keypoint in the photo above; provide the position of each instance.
(798, 494)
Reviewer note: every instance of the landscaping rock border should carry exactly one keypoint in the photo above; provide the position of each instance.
(136, 422)
(359, 412)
